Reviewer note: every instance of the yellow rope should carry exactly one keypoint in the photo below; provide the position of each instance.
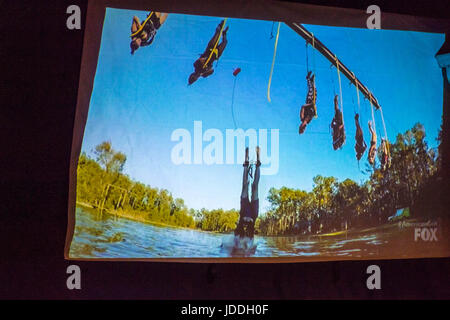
(273, 62)
(142, 25)
(214, 50)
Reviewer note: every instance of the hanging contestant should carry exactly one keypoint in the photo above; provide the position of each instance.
(373, 144)
(337, 125)
(384, 156)
(203, 65)
(308, 110)
(249, 208)
(143, 34)
(360, 146)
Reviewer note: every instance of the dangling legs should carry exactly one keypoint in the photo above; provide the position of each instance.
(162, 17)
(239, 231)
(135, 41)
(214, 39)
(135, 24)
(255, 200)
(223, 43)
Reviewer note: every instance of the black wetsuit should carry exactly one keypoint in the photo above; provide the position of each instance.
(150, 28)
(338, 134)
(309, 111)
(249, 208)
(360, 146)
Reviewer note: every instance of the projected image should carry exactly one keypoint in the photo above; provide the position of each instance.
(214, 137)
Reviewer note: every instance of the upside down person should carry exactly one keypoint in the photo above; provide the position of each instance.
(373, 144)
(337, 125)
(384, 157)
(360, 146)
(203, 65)
(249, 208)
(308, 110)
(143, 34)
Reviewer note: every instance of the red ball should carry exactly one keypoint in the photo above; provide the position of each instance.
(236, 71)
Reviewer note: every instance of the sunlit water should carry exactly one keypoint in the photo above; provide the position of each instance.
(123, 238)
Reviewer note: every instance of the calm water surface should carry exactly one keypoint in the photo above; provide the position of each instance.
(123, 238)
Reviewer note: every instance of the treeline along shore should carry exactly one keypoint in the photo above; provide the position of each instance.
(102, 186)
(411, 181)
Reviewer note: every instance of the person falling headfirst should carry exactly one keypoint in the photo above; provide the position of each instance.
(308, 110)
(203, 65)
(143, 34)
(373, 144)
(360, 146)
(249, 209)
(337, 125)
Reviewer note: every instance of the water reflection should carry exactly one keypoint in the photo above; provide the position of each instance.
(122, 238)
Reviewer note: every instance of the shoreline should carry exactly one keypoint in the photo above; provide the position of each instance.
(129, 216)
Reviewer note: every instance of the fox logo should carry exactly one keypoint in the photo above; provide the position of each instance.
(425, 234)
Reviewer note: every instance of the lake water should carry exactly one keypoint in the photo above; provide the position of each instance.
(123, 238)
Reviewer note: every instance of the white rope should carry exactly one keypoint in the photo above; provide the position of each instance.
(357, 93)
(340, 88)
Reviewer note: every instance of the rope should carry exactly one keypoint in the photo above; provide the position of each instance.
(340, 88)
(313, 54)
(357, 95)
(332, 81)
(214, 50)
(307, 62)
(373, 116)
(384, 125)
(273, 61)
(385, 132)
(232, 104)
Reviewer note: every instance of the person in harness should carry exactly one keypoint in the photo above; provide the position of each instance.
(308, 110)
(373, 144)
(249, 208)
(204, 64)
(143, 34)
(337, 126)
(384, 157)
(360, 146)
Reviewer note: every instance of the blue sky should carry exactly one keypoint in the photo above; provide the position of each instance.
(139, 100)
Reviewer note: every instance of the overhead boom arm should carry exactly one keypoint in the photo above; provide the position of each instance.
(311, 39)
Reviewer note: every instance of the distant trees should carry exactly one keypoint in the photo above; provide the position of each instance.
(410, 181)
(217, 220)
(147, 203)
(124, 194)
(111, 160)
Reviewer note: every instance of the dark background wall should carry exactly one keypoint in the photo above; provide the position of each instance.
(39, 69)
